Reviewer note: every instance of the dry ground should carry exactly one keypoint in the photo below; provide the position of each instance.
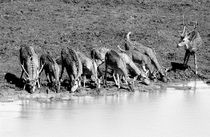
(84, 24)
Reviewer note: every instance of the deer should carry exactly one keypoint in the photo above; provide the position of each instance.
(89, 68)
(114, 61)
(192, 42)
(71, 61)
(52, 70)
(134, 46)
(142, 61)
(99, 56)
(132, 66)
(29, 62)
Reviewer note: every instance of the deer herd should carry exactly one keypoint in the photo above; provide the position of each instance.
(134, 62)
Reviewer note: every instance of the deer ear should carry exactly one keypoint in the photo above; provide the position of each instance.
(126, 46)
(192, 35)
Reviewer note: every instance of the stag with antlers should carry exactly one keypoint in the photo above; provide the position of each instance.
(30, 66)
(192, 41)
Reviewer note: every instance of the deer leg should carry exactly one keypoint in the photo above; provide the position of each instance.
(21, 74)
(24, 87)
(148, 68)
(185, 57)
(51, 78)
(84, 81)
(47, 76)
(114, 76)
(152, 56)
(144, 67)
(125, 74)
(151, 53)
(98, 83)
(118, 80)
(105, 77)
(143, 62)
(195, 62)
(38, 83)
(79, 81)
(39, 79)
(94, 73)
(62, 69)
(97, 80)
(188, 56)
(71, 79)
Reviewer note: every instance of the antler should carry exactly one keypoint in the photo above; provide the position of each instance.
(122, 50)
(183, 20)
(184, 30)
(24, 70)
(128, 36)
(41, 69)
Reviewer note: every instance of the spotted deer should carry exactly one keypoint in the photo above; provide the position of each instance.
(132, 66)
(71, 61)
(89, 69)
(114, 61)
(192, 42)
(98, 55)
(30, 66)
(142, 61)
(52, 70)
(134, 46)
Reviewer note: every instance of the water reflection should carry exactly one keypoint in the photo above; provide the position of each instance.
(180, 110)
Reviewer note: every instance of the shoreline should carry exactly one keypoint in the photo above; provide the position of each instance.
(44, 95)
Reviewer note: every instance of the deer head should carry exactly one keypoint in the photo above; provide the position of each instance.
(31, 85)
(31, 82)
(186, 38)
(183, 38)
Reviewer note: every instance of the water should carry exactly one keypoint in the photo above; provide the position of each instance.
(181, 110)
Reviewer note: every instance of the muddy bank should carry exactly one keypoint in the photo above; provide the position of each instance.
(46, 95)
(11, 88)
(9, 93)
